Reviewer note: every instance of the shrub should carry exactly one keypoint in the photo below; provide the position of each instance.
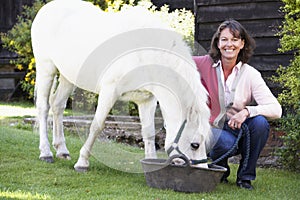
(290, 152)
(289, 78)
(18, 40)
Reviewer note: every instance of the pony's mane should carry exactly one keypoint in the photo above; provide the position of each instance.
(199, 101)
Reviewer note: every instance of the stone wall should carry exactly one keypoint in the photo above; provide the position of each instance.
(127, 130)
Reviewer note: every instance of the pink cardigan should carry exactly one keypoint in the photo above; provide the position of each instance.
(250, 92)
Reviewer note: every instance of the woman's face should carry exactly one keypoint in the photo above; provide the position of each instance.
(229, 45)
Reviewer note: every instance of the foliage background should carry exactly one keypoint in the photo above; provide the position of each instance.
(289, 78)
(18, 40)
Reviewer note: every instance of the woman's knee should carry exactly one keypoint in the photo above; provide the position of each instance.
(224, 143)
(259, 125)
(261, 121)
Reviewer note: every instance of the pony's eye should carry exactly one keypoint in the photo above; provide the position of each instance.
(195, 145)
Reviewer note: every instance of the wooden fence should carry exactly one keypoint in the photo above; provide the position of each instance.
(175, 4)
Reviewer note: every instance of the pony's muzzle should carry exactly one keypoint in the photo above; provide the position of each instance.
(195, 145)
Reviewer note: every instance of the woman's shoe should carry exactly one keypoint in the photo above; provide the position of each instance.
(245, 184)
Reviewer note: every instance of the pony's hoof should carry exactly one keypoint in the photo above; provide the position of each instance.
(64, 156)
(48, 159)
(81, 169)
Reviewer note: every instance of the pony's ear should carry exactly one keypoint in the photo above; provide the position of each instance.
(192, 115)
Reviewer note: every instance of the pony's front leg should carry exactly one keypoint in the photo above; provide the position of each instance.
(58, 101)
(105, 102)
(146, 113)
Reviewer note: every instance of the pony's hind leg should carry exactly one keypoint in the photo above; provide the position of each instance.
(58, 101)
(106, 100)
(146, 113)
(45, 72)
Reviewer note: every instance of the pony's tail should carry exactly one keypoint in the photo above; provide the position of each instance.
(54, 87)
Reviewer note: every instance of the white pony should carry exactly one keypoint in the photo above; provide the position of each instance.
(130, 55)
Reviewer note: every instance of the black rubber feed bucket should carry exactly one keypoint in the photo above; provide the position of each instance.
(162, 174)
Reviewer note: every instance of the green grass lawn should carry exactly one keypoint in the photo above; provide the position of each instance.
(24, 176)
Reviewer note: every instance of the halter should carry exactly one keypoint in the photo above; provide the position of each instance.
(174, 146)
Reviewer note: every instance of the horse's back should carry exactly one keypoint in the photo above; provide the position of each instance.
(68, 31)
(53, 34)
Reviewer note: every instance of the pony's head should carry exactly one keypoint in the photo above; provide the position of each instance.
(191, 138)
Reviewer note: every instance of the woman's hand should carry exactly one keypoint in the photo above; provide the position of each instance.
(236, 120)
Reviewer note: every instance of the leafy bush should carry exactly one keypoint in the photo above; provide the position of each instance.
(289, 78)
(18, 40)
(290, 152)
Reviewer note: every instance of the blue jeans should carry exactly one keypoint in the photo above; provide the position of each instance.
(259, 132)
